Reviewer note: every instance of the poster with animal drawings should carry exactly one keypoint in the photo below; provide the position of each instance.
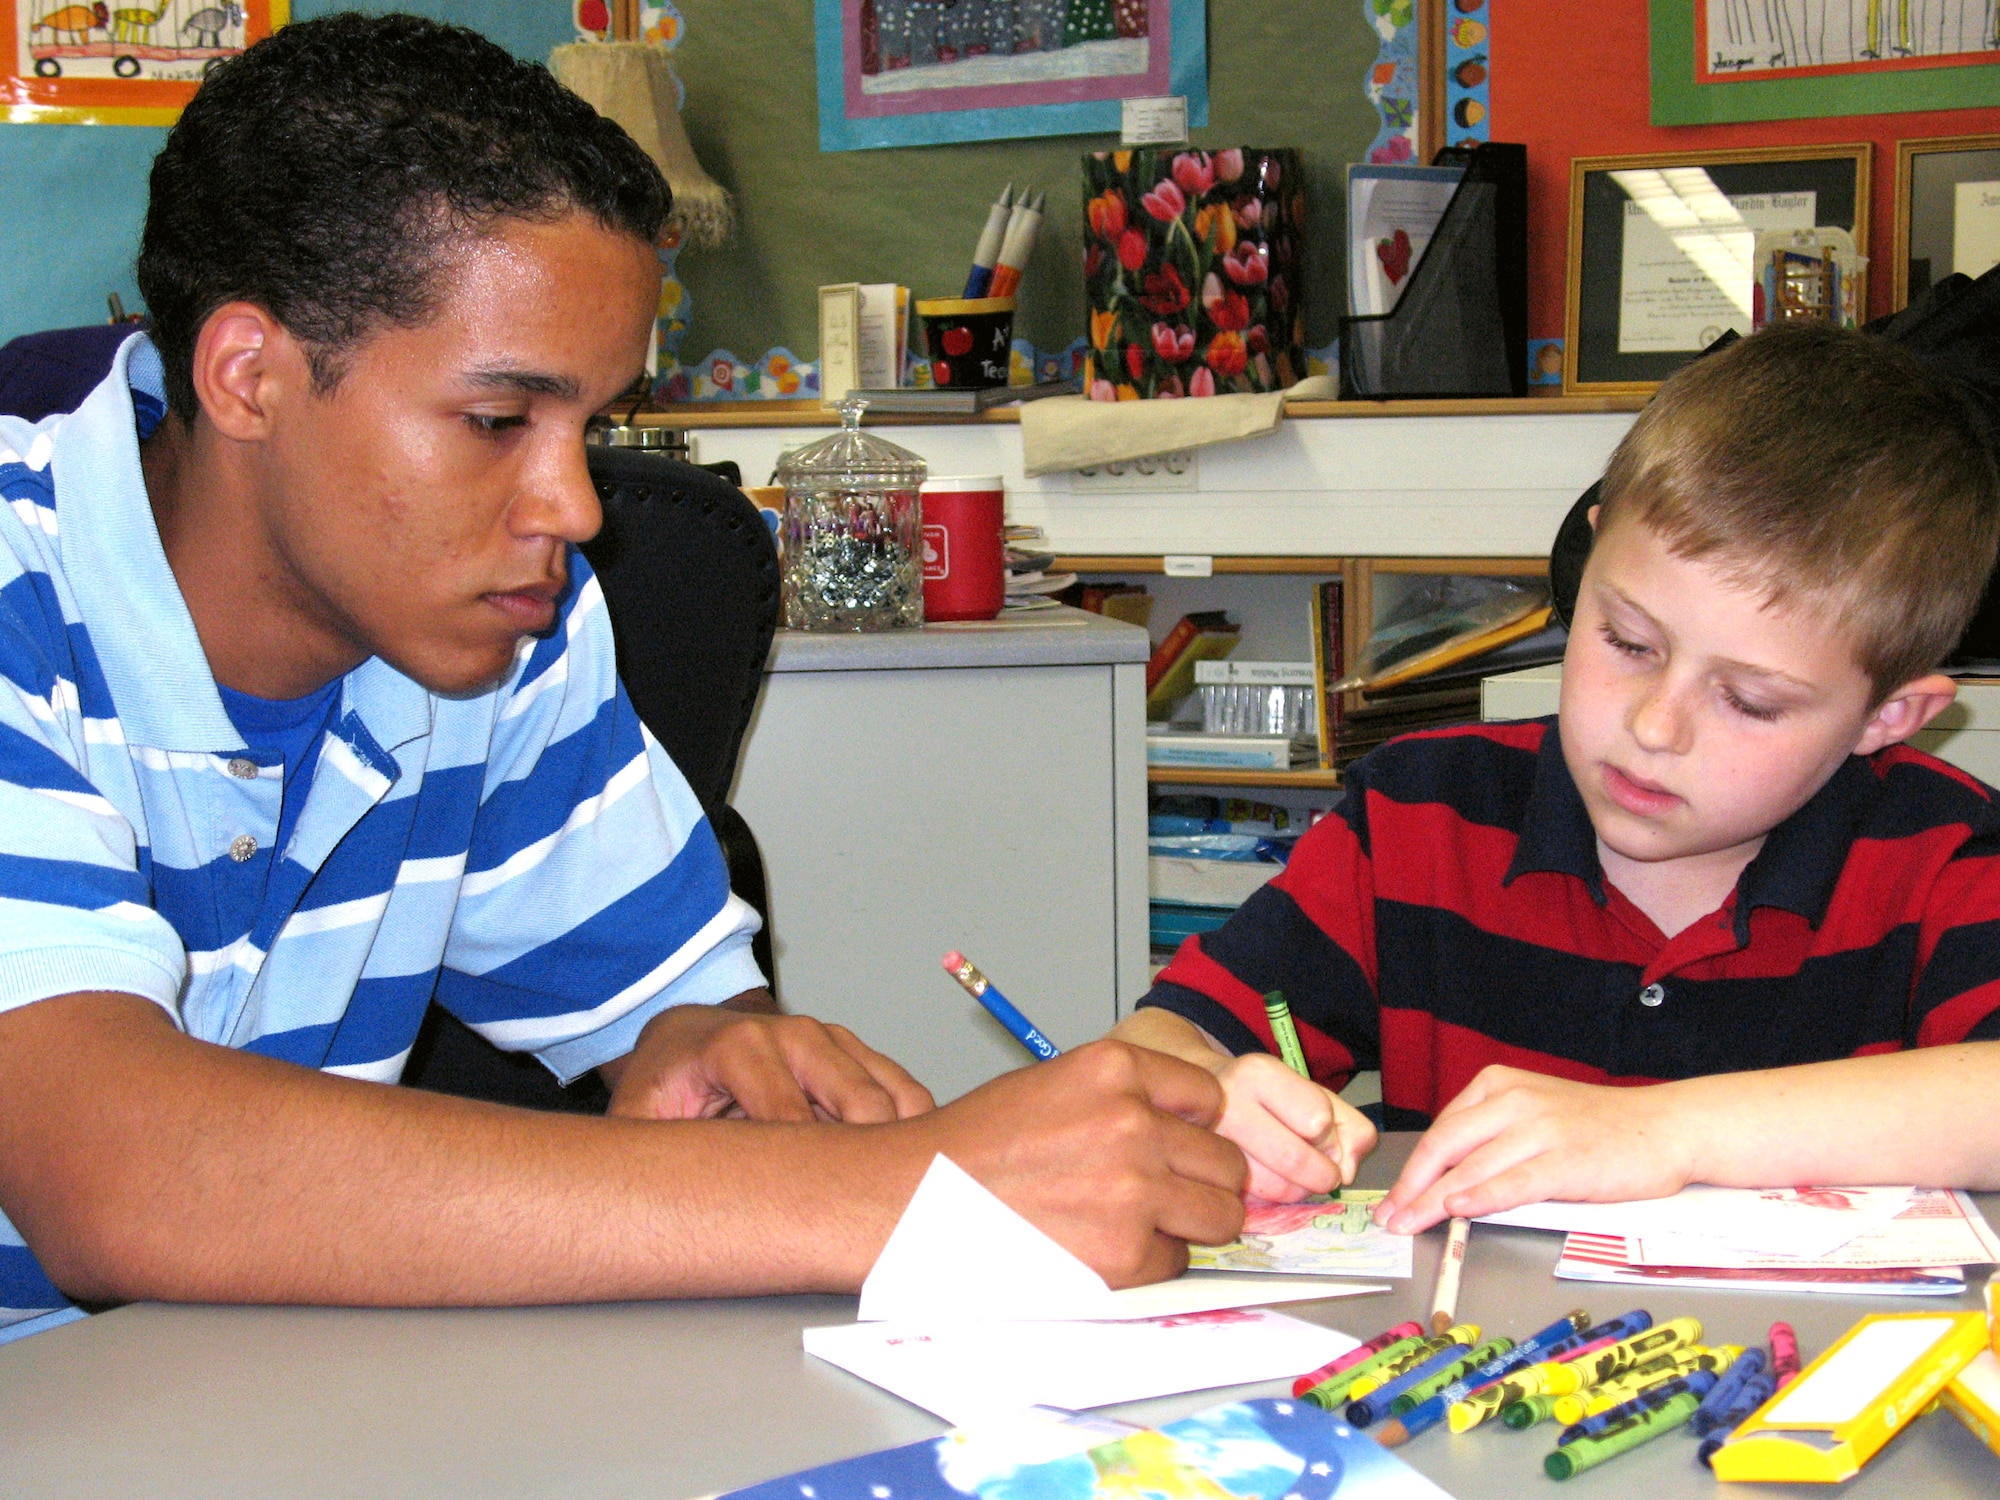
(1738, 39)
(121, 62)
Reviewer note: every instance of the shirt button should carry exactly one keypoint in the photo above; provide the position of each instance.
(1653, 994)
(243, 846)
(243, 770)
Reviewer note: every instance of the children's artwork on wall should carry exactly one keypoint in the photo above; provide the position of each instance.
(1715, 61)
(919, 72)
(120, 62)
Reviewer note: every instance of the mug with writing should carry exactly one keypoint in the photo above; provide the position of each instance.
(964, 568)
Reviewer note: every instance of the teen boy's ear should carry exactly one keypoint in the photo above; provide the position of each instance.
(242, 358)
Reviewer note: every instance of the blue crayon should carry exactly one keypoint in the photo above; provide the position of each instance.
(1697, 1382)
(1376, 1402)
(1709, 1415)
(1427, 1414)
(1755, 1392)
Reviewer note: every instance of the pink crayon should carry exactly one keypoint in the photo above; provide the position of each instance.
(1354, 1356)
(1784, 1354)
(1582, 1349)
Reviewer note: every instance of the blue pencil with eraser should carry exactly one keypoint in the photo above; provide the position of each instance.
(982, 989)
(987, 255)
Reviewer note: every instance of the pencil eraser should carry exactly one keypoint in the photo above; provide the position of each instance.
(954, 961)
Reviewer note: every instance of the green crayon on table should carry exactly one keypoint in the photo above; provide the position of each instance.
(1417, 1394)
(1287, 1034)
(1331, 1393)
(1426, 1348)
(1521, 1415)
(1588, 1452)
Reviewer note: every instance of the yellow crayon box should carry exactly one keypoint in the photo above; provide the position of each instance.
(1974, 1397)
(1846, 1404)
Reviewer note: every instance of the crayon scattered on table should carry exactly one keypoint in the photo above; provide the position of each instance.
(1709, 1415)
(1331, 1393)
(1423, 1415)
(1428, 1349)
(1434, 1374)
(1588, 1452)
(1521, 1415)
(1609, 1393)
(1354, 1356)
(1758, 1389)
(1700, 1382)
(1784, 1355)
(1597, 1368)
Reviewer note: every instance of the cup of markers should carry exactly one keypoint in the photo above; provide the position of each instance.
(1610, 1387)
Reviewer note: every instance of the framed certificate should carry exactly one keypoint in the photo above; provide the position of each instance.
(1661, 249)
(1947, 211)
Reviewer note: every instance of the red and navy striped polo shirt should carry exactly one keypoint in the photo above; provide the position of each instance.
(1453, 914)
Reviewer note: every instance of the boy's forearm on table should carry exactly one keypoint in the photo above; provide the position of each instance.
(1928, 1116)
(167, 1168)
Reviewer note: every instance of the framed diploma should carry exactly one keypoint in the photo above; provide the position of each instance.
(1662, 249)
(1947, 211)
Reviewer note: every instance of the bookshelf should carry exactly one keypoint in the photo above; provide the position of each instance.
(1304, 779)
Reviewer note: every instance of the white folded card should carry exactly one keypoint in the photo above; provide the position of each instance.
(959, 1255)
(1769, 1221)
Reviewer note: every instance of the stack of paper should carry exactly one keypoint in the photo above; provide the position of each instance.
(1886, 1240)
(971, 1311)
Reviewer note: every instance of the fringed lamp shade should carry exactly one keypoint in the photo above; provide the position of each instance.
(629, 82)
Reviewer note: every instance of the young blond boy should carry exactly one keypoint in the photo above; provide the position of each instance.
(1720, 872)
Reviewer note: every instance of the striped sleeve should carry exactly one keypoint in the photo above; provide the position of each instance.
(1956, 997)
(1310, 933)
(76, 912)
(595, 893)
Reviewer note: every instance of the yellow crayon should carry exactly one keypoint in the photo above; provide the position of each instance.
(1682, 1362)
(1486, 1403)
(1595, 1369)
(1463, 1334)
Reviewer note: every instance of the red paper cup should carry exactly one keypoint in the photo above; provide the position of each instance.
(964, 566)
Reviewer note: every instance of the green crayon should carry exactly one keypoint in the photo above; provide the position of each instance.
(1435, 1343)
(1331, 1393)
(1521, 1415)
(1642, 1428)
(1280, 1016)
(1456, 1370)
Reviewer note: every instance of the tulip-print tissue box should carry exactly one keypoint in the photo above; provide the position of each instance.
(1192, 268)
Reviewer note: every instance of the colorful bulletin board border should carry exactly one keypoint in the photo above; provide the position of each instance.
(919, 72)
(80, 62)
(1721, 61)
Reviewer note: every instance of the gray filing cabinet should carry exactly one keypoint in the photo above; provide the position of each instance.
(979, 786)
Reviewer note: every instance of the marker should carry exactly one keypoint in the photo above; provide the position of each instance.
(1420, 1416)
(1444, 1304)
(1587, 1453)
(1758, 1389)
(1400, 1333)
(988, 251)
(1369, 1406)
(1784, 1355)
(1331, 1392)
(1287, 1037)
(1701, 1382)
(982, 989)
(1708, 1416)
(1020, 242)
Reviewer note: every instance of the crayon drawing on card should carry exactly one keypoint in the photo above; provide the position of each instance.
(1319, 1236)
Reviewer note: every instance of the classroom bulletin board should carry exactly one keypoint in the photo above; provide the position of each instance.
(1281, 73)
(1572, 78)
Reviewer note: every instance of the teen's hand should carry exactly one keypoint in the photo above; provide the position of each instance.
(1299, 1138)
(1108, 1150)
(1514, 1137)
(741, 1059)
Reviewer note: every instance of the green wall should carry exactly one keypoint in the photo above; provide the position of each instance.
(1281, 73)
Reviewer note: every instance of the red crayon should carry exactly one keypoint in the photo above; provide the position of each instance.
(1582, 1349)
(1784, 1354)
(1354, 1356)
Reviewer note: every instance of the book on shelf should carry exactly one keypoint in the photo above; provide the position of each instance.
(1543, 648)
(1130, 602)
(1253, 674)
(1200, 636)
(1329, 645)
(1245, 752)
(947, 401)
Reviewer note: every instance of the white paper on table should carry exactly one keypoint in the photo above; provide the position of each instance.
(972, 1372)
(1935, 1227)
(959, 1254)
(1764, 1221)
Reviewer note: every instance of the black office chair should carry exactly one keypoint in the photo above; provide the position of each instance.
(690, 578)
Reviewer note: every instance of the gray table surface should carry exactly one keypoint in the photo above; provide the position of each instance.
(1059, 637)
(674, 1400)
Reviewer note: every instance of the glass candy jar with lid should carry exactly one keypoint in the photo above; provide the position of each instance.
(853, 531)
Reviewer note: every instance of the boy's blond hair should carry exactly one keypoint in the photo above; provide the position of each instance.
(1828, 469)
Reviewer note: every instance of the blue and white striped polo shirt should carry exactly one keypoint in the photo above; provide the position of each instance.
(528, 856)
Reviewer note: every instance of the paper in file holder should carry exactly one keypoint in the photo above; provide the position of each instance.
(1845, 1405)
(1460, 327)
